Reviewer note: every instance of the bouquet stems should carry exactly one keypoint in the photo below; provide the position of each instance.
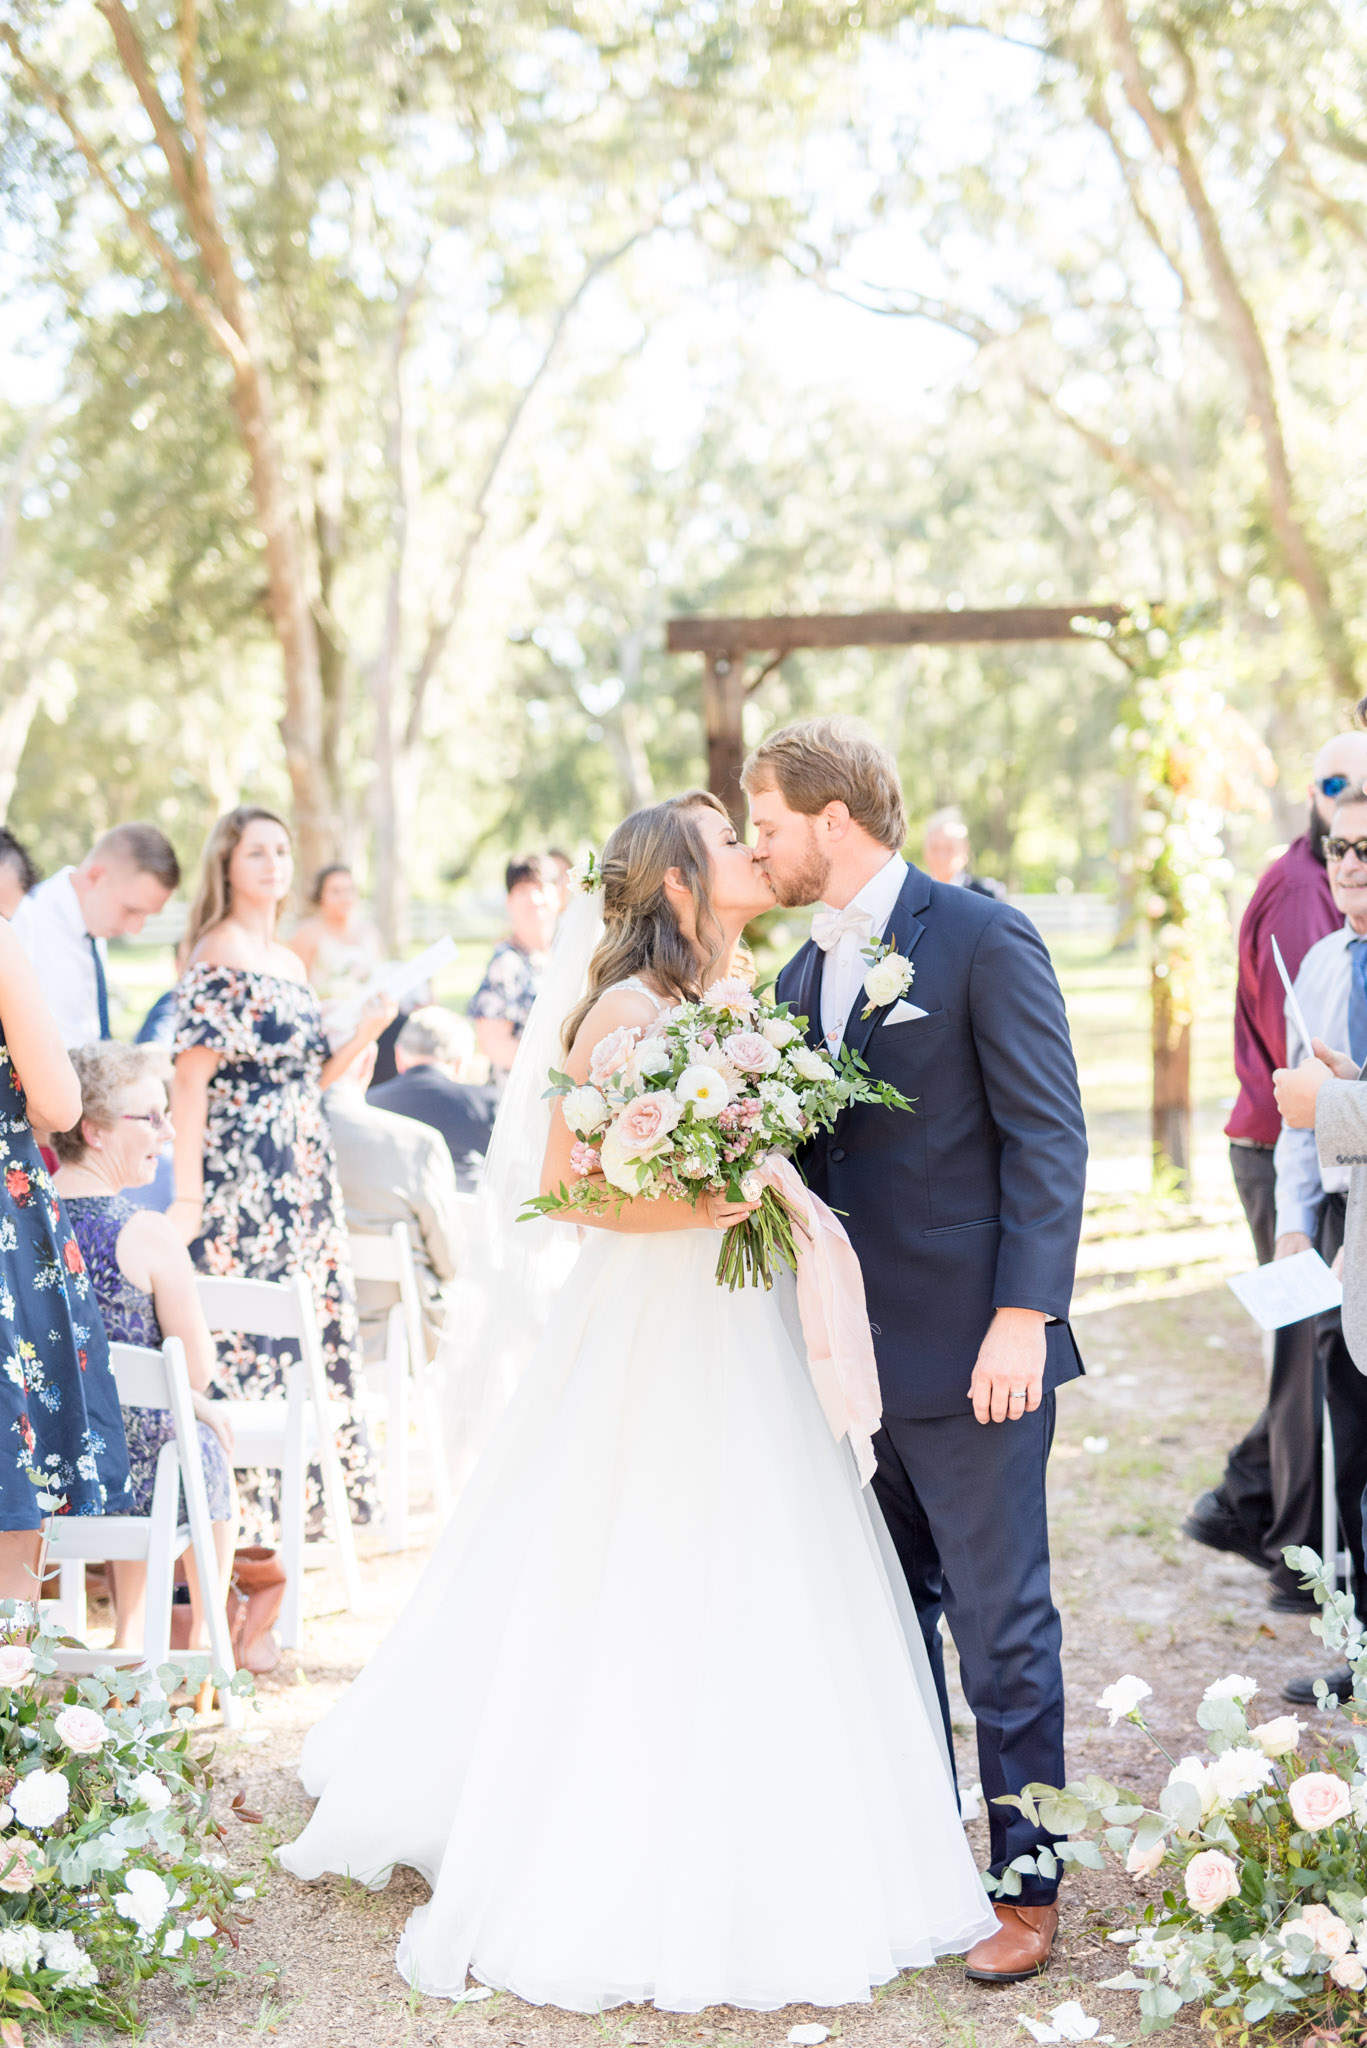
(751, 1251)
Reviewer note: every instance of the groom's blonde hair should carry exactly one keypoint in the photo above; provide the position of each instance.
(830, 760)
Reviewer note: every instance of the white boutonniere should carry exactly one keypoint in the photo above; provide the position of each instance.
(889, 976)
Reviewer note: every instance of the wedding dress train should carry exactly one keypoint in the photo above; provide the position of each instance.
(657, 1723)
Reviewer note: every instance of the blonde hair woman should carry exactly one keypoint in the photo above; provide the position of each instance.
(256, 1185)
(689, 1750)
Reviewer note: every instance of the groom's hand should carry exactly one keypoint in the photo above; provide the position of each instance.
(1008, 1379)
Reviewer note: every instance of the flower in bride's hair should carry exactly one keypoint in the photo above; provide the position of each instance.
(587, 875)
(611, 1052)
(733, 995)
(585, 1110)
(705, 1088)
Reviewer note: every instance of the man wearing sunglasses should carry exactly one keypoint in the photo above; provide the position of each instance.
(1269, 1496)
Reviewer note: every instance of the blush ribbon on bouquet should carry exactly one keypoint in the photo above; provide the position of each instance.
(835, 1317)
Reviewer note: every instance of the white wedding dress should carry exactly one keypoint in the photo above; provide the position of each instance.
(657, 1724)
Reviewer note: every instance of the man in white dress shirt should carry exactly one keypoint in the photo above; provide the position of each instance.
(1311, 1195)
(63, 924)
(846, 935)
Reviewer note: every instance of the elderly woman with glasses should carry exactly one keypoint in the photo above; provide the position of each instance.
(145, 1285)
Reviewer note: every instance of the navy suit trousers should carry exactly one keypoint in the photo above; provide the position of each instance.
(964, 1502)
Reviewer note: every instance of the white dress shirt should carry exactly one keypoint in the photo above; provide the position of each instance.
(845, 966)
(1321, 986)
(50, 925)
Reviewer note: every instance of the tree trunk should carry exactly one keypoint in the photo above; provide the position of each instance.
(723, 721)
(1171, 1069)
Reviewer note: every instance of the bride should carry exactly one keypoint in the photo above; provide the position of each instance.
(657, 1724)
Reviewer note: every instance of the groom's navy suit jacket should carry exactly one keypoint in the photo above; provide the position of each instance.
(974, 1201)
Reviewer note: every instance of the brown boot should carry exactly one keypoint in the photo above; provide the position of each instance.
(1020, 1948)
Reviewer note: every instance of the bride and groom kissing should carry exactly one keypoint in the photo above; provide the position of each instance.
(666, 1717)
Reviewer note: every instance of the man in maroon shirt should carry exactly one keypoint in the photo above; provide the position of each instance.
(1269, 1496)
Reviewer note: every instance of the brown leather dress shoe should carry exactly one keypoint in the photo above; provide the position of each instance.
(1020, 1948)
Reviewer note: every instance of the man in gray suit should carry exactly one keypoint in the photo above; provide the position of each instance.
(393, 1169)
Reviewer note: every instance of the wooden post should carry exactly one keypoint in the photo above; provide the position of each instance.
(723, 720)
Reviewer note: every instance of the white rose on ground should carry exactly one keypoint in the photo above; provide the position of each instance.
(1067, 2022)
(148, 1790)
(146, 1900)
(1238, 1773)
(888, 979)
(201, 1929)
(16, 1664)
(704, 1088)
(808, 1064)
(1279, 1737)
(1211, 1878)
(81, 1729)
(40, 1799)
(585, 1110)
(1123, 1696)
(780, 1032)
(1232, 1688)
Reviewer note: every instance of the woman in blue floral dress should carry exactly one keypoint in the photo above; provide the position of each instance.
(62, 1445)
(256, 1183)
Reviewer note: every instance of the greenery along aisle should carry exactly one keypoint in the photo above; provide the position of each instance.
(109, 1863)
(1271, 1848)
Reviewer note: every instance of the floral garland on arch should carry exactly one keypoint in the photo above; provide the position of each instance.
(110, 1864)
(1264, 1853)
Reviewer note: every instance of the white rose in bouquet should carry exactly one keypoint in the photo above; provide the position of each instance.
(779, 1031)
(652, 1056)
(585, 1110)
(40, 1799)
(809, 1065)
(81, 1729)
(888, 979)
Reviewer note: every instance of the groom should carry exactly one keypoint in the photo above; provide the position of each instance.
(965, 1215)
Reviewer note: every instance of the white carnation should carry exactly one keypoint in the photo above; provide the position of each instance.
(1232, 1688)
(1238, 1773)
(887, 979)
(779, 1031)
(808, 1064)
(585, 1110)
(40, 1799)
(1122, 1697)
(21, 1948)
(1194, 1772)
(63, 1953)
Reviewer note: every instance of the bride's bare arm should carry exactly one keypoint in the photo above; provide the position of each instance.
(624, 1007)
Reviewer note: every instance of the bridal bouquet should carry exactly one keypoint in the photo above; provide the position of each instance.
(697, 1105)
(1259, 1852)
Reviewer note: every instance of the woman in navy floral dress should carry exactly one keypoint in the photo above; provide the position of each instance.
(61, 1434)
(256, 1183)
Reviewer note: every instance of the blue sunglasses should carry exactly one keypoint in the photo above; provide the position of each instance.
(1333, 785)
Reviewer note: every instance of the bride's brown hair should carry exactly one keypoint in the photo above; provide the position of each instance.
(641, 934)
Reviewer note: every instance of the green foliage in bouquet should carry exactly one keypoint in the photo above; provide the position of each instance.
(695, 1106)
(1264, 1853)
(110, 1866)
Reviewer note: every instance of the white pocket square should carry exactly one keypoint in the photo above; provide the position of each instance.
(904, 1013)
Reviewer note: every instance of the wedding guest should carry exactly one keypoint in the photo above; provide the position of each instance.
(256, 1184)
(1269, 1495)
(393, 1169)
(503, 1001)
(63, 924)
(59, 1407)
(339, 947)
(17, 872)
(434, 1053)
(145, 1286)
(948, 854)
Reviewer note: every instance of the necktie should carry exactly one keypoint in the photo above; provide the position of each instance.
(830, 926)
(101, 985)
(1357, 1000)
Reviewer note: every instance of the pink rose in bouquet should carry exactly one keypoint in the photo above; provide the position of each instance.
(644, 1122)
(751, 1053)
(1319, 1799)
(610, 1053)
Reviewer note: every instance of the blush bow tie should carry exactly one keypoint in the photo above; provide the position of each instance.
(830, 926)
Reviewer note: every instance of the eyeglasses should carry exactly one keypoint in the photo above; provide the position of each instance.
(156, 1119)
(1333, 785)
(1335, 849)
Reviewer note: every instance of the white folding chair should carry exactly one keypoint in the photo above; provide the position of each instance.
(289, 1432)
(389, 1257)
(149, 1379)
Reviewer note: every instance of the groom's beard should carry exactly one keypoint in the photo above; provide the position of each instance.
(806, 883)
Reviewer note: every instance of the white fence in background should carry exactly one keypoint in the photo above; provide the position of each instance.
(1070, 917)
